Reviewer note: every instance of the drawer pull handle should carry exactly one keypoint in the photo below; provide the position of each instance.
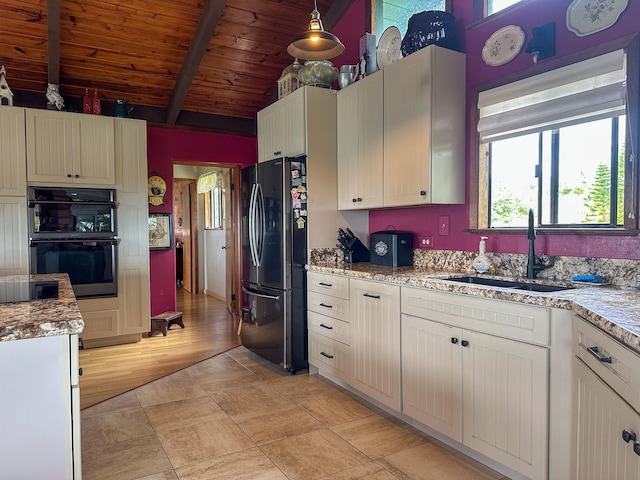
(326, 355)
(325, 305)
(323, 284)
(329, 327)
(371, 296)
(636, 448)
(628, 436)
(465, 343)
(594, 351)
(454, 340)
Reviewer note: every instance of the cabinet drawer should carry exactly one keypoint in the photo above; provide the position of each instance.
(328, 305)
(334, 285)
(614, 363)
(495, 317)
(329, 327)
(329, 355)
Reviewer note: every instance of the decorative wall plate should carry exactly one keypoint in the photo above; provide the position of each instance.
(503, 46)
(585, 17)
(388, 50)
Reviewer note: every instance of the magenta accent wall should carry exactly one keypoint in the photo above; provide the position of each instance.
(164, 148)
(532, 13)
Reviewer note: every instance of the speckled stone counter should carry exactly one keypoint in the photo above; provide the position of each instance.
(41, 318)
(615, 310)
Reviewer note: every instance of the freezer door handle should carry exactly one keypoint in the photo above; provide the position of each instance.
(262, 295)
(252, 224)
(260, 225)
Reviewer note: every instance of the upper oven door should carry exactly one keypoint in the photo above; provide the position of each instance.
(71, 213)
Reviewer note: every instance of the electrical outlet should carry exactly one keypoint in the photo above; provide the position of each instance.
(426, 242)
(443, 225)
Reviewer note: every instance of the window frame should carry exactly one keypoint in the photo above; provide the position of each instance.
(478, 153)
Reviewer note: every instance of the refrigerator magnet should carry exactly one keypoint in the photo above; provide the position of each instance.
(303, 212)
(300, 222)
(302, 188)
(296, 213)
(296, 182)
(303, 196)
(296, 203)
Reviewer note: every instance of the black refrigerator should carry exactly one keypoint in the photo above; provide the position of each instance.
(274, 254)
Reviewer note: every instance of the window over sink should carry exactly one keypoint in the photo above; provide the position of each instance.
(561, 142)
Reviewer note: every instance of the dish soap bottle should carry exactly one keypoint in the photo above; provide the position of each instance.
(482, 263)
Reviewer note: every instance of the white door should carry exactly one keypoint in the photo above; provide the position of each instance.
(375, 340)
(506, 396)
(600, 418)
(432, 374)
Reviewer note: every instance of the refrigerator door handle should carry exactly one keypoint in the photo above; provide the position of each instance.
(262, 295)
(260, 225)
(252, 224)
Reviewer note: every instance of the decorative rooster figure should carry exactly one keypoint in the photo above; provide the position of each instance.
(54, 97)
(5, 91)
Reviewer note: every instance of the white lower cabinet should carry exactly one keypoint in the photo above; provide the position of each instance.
(486, 392)
(328, 323)
(375, 340)
(606, 421)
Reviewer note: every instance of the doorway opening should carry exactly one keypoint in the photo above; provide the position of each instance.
(206, 226)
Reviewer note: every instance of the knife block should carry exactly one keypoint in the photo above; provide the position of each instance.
(357, 252)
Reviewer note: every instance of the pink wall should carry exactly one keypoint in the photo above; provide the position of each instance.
(424, 220)
(164, 147)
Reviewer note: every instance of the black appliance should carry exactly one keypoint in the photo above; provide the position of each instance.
(274, 254)
(392, 248)
(73, 231)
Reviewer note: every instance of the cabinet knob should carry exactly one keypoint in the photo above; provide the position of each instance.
(69, 175)
(465, 343)
(454, 340)
(77, 176)
(423, 193)
(636, 448)
(628, 436)
(354, 200)
(359, 199)
(80, 372)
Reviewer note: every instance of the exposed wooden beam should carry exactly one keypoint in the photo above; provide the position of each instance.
(53, 40)
(204, 31)
(335, 13)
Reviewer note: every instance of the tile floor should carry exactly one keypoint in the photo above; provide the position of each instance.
(231, 417)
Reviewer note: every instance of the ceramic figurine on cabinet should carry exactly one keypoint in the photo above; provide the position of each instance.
(5, 91)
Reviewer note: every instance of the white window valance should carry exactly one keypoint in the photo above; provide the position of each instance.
(591, 89)
(207, 182)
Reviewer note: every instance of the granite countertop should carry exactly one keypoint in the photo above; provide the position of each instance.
(41, 318)
(612, 309)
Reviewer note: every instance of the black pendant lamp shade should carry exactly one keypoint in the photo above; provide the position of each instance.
(315, 43)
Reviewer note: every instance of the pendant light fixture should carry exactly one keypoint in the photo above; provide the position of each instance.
(315, 43)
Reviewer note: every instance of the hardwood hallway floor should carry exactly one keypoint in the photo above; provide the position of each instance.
(109, 371)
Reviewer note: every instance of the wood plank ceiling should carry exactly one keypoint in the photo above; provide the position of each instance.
(205, 64)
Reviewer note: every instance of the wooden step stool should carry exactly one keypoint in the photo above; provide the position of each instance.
(162, 322)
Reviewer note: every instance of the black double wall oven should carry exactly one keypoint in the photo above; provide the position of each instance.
(73, 231)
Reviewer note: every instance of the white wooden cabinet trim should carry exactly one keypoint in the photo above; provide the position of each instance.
(13, 152)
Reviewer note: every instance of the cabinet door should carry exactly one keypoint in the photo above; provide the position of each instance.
(432, 374)
(360, 152)
(407, 130)
(93, 150)
(505, 407)
(14, 246)
(269, 122)
(375, 340)
(293, 130)
(133, 249)
(49, 146)
(600, 417)
(13, 153)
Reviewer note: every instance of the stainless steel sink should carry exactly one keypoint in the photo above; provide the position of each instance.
(492, 282)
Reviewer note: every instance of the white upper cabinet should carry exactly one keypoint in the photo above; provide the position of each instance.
(424, 128)
(360, 146)
(282, 128)
(13, 157)
(70, 148)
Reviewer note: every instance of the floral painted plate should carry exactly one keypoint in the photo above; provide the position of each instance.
(503, 46)
(585, 17)
(388, 50)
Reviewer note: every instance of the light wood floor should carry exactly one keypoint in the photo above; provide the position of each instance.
(109, 371)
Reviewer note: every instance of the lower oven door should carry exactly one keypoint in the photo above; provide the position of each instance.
(90, 264)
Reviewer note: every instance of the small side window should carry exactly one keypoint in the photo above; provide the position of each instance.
(486, 8)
